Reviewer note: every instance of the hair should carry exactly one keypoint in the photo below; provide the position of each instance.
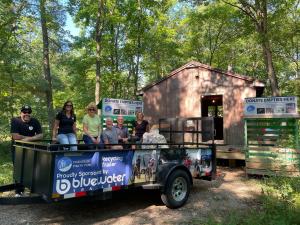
(120, 116)
(140, 113)
(109, 118)
(91, 105)
(64, 107)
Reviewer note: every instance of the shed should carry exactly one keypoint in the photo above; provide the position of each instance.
(198, 90)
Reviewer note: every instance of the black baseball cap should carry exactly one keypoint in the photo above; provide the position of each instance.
(26, 108)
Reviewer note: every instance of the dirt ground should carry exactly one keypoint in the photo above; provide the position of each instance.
(230, 192)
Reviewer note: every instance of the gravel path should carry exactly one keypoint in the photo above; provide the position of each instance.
(231, 191)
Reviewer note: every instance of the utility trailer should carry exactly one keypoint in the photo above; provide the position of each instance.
(52, 173)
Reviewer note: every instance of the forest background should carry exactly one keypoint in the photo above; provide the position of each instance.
(124, 44)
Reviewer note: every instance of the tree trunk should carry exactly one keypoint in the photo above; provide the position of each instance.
(138, 52)
(98, 53)
(270, 68)
(46, 64)
(262, 28)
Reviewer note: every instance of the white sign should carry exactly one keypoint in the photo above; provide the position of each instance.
(115, 107)
(271, 106)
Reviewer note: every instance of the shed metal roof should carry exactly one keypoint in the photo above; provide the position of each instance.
(195, 64)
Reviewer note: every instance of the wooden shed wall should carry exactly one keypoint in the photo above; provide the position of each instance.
(180, 96)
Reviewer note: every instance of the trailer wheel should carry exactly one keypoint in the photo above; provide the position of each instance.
(177, 189)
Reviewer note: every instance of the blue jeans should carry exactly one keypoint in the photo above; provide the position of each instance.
(88, 140)
(66, 139)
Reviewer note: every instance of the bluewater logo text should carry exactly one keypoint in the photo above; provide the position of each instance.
(63, 186)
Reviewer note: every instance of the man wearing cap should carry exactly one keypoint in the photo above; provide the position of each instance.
(24, 128)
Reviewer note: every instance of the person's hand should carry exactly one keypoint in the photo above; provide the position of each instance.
(125, 140)
(26, 139)
(94, 140)
(54, 140)
(98, 139)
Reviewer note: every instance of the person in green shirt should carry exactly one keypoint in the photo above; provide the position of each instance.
(91, 125)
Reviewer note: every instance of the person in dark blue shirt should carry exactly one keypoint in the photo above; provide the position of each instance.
(24, 128)
(64, 130)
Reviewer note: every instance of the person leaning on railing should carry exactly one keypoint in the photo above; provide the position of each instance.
(24, 128)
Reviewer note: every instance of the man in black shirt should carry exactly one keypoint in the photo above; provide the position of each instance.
(24, 128)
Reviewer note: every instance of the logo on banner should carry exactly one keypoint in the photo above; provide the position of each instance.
(108, 108)
(250, 108)
(63, 186)
(64, 164)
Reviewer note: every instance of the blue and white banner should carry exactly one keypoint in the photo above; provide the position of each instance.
(270, 106)
(91, 171)
(114, 107)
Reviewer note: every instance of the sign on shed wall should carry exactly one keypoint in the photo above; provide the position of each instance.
(114, 107)
(271, 106)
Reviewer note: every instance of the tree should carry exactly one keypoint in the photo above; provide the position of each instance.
(46, 63)
(258, 11)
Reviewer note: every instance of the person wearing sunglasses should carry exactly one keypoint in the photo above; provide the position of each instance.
(64, 130)
(24, 128)
(91, 125)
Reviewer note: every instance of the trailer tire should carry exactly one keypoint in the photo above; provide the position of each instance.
(177, 189)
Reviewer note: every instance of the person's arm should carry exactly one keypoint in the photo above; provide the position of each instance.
(75, 129)
(55, 128)
(14, 130)
(86, 132)
(38, 136)
(17, 136)
(33, 138)
(105, 139)
(126, 135)
(147, 126)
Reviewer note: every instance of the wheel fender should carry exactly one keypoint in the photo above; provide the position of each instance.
(172, 169)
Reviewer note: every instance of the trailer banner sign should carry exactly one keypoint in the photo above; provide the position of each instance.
(77, 172)
(270, 106)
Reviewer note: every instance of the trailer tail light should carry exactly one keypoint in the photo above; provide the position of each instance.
(116, 188)
(207, 173)
(80, 194)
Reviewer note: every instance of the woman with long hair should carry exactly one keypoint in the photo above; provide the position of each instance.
(64, 130)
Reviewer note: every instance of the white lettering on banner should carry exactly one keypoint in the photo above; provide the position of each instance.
(111, 159)
(82, 161)
(63, 186)
(271, 106)
(90, 173)
(68, 175)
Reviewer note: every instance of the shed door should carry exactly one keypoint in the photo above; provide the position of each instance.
(212, 106)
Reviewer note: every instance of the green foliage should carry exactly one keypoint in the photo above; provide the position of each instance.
(279, 205)
(6, 168)
(141, 41)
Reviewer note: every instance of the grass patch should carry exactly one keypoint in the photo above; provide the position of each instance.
(278, 205)
(6, 167)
